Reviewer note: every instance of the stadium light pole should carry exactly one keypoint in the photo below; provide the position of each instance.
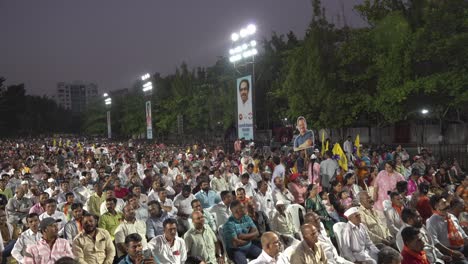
(108, 103)
(242, 52)
(424, 113)
(148, 91)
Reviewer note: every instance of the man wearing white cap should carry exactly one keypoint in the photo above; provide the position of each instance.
(283, 224)
(52, 190)
(82, 192)
(356, 244)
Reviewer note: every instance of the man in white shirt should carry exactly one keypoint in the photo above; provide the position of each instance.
(254, 177)
(183, 203)
(82, 192)
(128, 226)
(281, 193)
(27, 238)
(221, 210)
(263, 199)
(246, 185)
(348, 148)
(394, 222)
(141, 213)
(328, 170)
(279, 170)
(168, 247)
(282, 223)
(118, 207)
(356, 244)
(166, 203)
(270, 249)
(234, 178)
(51, 211)
(53, 191)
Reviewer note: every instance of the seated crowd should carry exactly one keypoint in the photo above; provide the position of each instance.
(119, 203)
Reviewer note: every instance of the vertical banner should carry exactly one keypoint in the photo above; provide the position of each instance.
(149, 125)
(109, 132)
(245, 124)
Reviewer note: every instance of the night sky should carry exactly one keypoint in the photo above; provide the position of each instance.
(113, 42)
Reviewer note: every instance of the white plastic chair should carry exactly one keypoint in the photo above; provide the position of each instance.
(338, 230)
(294, 209)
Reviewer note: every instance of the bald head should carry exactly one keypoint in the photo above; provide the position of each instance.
(312, 218)
(271, 244)
(198, 219)
(310, 234)
(267, 237)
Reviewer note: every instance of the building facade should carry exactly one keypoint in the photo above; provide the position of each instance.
(75, 96)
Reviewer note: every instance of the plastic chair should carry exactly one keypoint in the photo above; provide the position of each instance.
(294, 210)
(338, 230)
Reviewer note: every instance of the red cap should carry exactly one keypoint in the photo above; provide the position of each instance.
(294, 176)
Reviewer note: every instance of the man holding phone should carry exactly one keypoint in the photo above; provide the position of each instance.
(135, 253)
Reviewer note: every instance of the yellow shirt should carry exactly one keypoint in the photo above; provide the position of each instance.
(90, 250)
(110, 222)
(304, 254)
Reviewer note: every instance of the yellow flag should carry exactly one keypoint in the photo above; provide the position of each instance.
(68, 143)
(60, 142)
(323, 142)
(343, 161)
(357, 143)
(54, 143)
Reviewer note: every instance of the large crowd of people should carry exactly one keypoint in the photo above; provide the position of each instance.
(96, 201)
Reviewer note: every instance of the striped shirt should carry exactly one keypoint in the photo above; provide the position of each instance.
(42, 253)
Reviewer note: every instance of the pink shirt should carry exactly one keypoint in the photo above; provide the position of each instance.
(386, 182)
(42, 253)
(298, 192)
(37, 208)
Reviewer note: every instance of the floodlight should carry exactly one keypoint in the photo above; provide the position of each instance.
(251, 29)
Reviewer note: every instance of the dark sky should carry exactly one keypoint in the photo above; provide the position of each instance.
(113, 42)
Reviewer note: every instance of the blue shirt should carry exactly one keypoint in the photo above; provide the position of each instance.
(209, 199)
(233, 227)
(154, 226)
(126, 260)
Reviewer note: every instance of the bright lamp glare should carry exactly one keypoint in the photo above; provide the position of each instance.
(235, 58)
(245, 46)
(253, 43)
(108, 103)
(147, 84)
(424, 111)
(148, 88)
(234, 36)
(251, 29)
(231, 51)
(243, 33)
(144, 77)
(105, 94)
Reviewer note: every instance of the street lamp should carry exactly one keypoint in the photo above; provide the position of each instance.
(424, 113)
(108, 103)
(242, 52)
(148, 91)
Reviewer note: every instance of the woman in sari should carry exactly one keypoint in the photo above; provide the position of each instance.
(314, 203)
